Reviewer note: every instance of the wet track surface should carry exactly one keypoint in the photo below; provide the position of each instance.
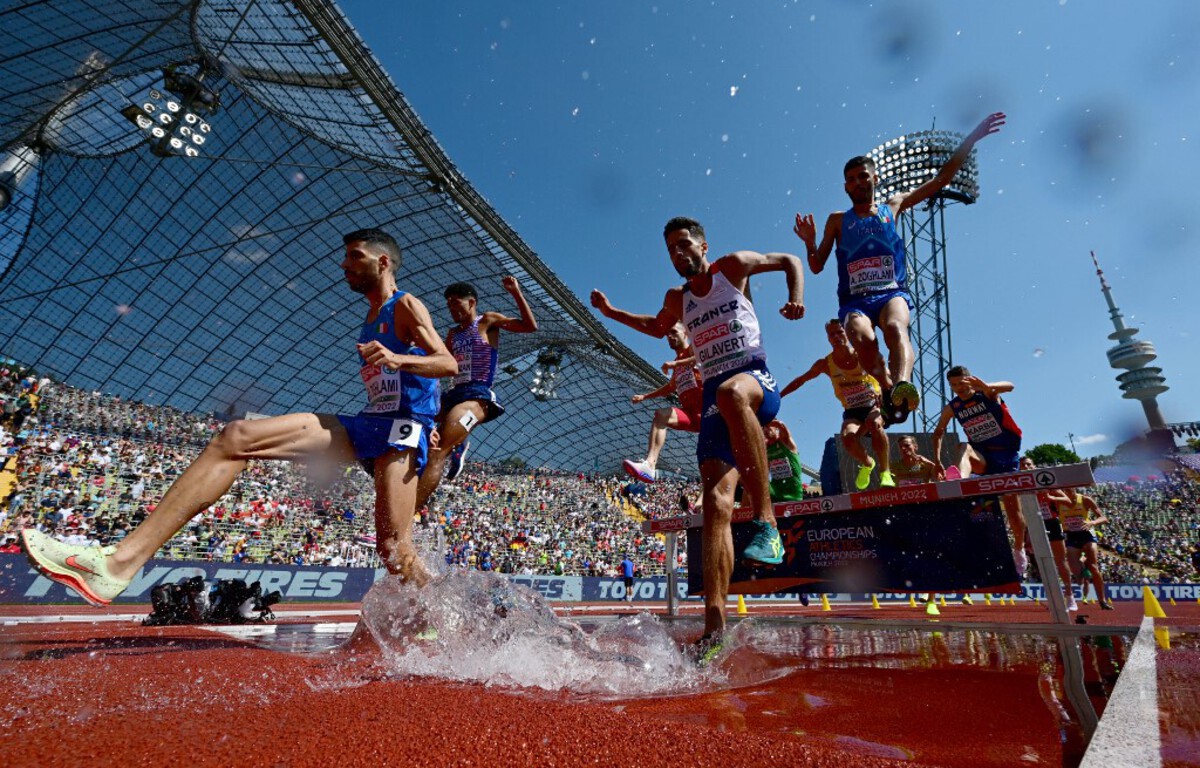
(801, 691)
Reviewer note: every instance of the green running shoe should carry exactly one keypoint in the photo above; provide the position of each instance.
(905, 394)
(766, 547)
(707, 648)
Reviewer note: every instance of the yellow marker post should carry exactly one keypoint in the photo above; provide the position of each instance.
(942, 600)
(1151, 605)
(912, 600)
(987, 598)
(741, 609)
(1162, 636)
(825, 603)
(875, 602)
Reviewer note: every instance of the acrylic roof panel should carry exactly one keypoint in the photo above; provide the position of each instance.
(212, 283)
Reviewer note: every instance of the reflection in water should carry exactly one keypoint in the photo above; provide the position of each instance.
(903, 694)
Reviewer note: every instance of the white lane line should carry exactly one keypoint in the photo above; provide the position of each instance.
(1128, 734)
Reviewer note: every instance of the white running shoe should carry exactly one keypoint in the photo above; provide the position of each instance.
(1072, 605)
(1021, 560)
(640, 470)
(80, 568)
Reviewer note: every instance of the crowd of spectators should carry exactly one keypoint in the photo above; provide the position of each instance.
(90, 467)
(1153, 533)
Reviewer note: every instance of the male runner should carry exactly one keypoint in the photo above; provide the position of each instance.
(470, 401)
(783, 458)
(872, 268)
(913, 468)
(402, 358)
(684, 385)
(859, 393)
(993, 440)
(1048, 505)
(739, 393)
(1079, 516)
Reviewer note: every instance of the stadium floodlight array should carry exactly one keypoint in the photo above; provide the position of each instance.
(170, 121)
(545, 377)
(906, 162)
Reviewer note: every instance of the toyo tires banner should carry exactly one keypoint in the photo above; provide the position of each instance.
(20, 583)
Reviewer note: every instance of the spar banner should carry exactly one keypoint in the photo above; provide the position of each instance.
(940, 546)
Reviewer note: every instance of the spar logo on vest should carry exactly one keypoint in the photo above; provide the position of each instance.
(717, 332)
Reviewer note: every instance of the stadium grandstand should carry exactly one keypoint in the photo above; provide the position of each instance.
(175, 179)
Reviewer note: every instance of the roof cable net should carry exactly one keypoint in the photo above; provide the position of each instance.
(212, 282)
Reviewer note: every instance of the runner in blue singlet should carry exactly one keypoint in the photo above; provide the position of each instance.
(873, 271)
(469, 400)
(401, 359)
(993, 443)
(739, 394)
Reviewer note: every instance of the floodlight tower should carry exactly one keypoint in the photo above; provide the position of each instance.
(1140, 381)
(903, 164)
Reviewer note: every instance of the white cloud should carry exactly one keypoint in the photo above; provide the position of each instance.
(1091, 439)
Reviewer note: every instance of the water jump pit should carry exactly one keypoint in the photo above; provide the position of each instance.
(474, 670)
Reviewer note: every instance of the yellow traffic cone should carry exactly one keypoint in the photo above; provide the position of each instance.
(1172, 600)
(987, 598)
(825, 603)
(912, 600)
(742, 606)
(875, 602)
(931, 609)
(1151, 605)
(942, 600)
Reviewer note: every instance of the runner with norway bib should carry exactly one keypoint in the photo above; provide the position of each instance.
(993, 440)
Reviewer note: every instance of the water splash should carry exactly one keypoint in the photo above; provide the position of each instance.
(472, 626)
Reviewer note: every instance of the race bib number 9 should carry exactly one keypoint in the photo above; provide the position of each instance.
(405, 433)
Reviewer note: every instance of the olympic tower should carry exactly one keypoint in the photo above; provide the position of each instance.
(1140, 381)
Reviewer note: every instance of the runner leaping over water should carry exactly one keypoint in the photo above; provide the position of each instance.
(993, 440)
(739, 392)
(470, 401)
(872, 268)
(859, 394)
(401, 358)
(682, 384)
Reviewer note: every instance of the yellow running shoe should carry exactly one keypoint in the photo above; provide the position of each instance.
(864, 476)
(80, 568)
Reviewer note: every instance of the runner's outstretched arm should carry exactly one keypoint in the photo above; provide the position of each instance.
(945, 175)
(651, 325)
(806, 230)
(816, 370)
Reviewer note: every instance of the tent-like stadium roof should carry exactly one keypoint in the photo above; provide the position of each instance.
(211, 282)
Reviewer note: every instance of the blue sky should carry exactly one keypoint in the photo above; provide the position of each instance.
(588, 125)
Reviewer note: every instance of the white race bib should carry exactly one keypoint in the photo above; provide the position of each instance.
(871, 274)
(405, 433)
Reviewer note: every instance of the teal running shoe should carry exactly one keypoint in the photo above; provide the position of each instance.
(766, 547)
